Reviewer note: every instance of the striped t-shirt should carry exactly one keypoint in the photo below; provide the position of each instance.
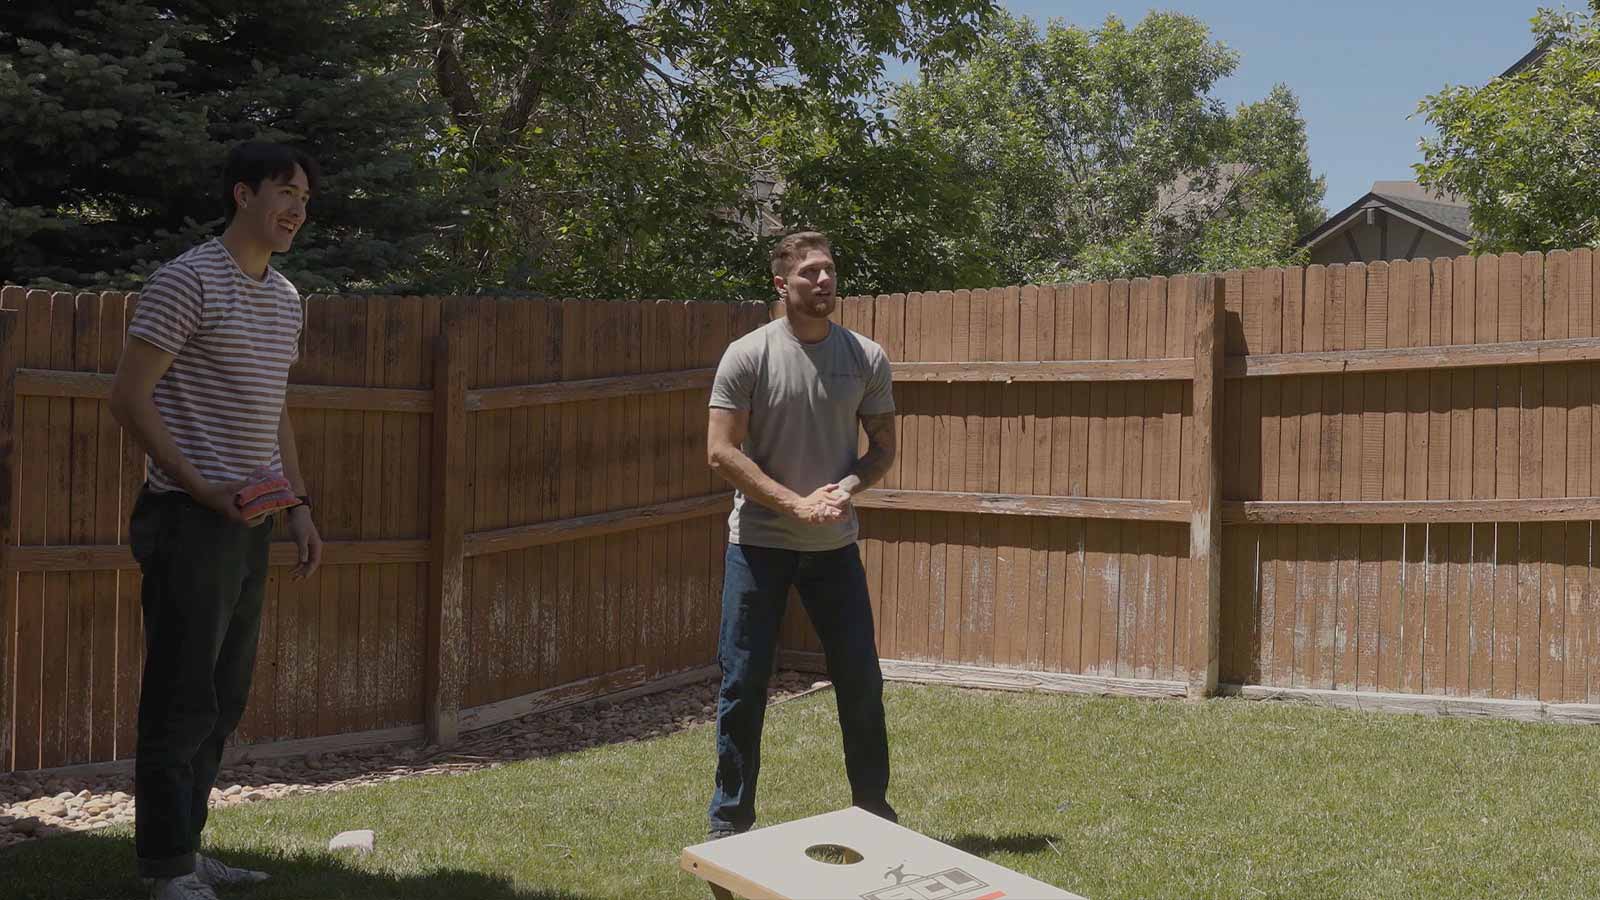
(234, 339)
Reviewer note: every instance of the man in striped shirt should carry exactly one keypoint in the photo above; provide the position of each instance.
(201, 387)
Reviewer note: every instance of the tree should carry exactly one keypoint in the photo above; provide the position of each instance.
(1524, 151)
(613, 140)
(899, 209)
(120, 112)
(1271, 197)
(600, 200)
(502, 64)
(1101, 153)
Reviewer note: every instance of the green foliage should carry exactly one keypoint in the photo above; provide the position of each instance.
(605, 205)
(120, 112)
(1524, 151)
(617, 144)
(900, 209)
(1269, 140)
(624, 147)
(1101, 153)
(1257, 238)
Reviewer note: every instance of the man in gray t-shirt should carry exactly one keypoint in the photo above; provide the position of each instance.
(786, 407)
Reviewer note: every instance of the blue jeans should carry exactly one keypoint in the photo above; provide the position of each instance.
(205, 580)
(755, 590)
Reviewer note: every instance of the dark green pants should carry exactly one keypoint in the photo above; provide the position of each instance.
(204, 582)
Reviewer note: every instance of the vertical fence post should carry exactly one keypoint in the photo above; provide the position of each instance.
(1205, 523)
(10, 338)
(445, 653)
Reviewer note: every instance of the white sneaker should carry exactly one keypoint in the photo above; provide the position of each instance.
(187, 887)
(216, 873)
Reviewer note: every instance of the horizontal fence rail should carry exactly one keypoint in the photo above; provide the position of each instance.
(1026, 505)
(1401, 512)
(90, 386)
(1103, 370)
(1412, 359)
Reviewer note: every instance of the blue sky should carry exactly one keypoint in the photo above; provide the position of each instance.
(1359, 67)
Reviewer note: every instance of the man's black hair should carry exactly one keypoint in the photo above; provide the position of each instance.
(253, 162)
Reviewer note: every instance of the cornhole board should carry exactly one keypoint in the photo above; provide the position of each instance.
(896, 864)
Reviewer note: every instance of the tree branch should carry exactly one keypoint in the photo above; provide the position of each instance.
(558, 21)
(447, 71)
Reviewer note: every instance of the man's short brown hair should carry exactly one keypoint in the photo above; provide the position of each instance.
(794, 247)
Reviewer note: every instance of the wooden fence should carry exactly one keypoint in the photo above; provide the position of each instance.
(1331, 481)
(1407, 459)
(1037, 514)
(514, 493)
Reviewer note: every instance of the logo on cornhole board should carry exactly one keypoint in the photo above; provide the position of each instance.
(951, 884)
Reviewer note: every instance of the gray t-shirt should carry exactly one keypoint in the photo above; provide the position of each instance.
(803, 401)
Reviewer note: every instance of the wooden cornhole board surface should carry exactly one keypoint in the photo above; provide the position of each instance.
(897, 864)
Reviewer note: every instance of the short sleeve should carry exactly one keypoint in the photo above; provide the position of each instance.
(169, 308)
(879, 396)
(300, 328)
(735, 384)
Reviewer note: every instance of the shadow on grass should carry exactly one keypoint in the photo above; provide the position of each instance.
(100, 866)
(987, 845)
(596, 722)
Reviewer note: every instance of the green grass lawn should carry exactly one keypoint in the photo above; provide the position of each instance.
(1106, 798)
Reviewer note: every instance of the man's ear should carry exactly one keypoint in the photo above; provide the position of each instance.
(242, 195)
(781, 285)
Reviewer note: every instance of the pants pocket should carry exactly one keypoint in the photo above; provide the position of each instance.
(146, 527)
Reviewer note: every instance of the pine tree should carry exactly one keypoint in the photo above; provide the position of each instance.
(120, 112)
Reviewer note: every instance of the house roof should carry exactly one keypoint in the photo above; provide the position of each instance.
(1530, 58)
(1443, 214)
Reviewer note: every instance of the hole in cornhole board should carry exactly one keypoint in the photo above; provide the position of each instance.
(833, 854)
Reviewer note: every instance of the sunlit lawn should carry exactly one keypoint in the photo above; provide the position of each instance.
(1106, 798)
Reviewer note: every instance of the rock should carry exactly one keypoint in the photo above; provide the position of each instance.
(233, 790)
(28, 825)
(819, 685)
(360, 841)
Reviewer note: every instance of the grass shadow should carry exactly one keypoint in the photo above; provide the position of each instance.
(597, 722)
(100, 866)
(986, 845)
